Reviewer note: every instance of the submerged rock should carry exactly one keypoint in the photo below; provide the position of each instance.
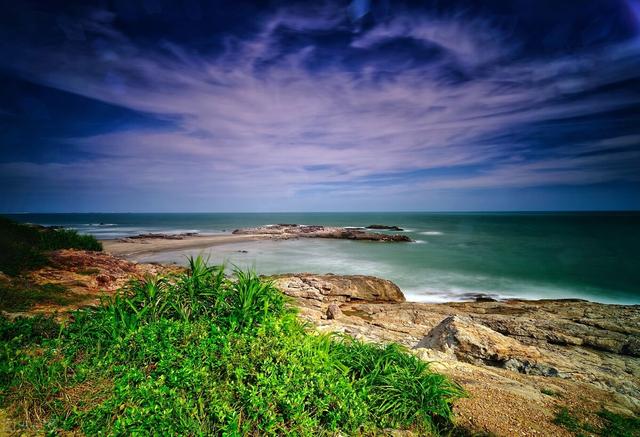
(385, 227)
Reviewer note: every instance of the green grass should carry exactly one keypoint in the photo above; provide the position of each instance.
(21, 295)
(203, 354)
(549, 392)
(612, 425)
(24, 247)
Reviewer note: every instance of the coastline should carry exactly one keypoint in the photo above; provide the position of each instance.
(535, 356)
(132, 249)
(152, 244)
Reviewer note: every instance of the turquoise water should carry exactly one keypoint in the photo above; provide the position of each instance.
(594, 256)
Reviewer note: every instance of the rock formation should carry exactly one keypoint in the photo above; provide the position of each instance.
(385, 227)
(568, 343)
(287, 231)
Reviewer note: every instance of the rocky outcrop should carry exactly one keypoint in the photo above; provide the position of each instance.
(318, 291)
(463, 339)
(572, 341)
(385, 227)
(152, 236)
(287, 231)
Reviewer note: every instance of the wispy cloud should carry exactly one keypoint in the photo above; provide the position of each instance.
(259, 119)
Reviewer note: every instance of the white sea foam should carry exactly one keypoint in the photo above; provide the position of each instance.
(420, 242)
(431, 233)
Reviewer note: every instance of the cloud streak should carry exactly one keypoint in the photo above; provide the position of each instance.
(261, 119)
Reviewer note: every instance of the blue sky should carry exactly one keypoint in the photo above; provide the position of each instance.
(333, 106)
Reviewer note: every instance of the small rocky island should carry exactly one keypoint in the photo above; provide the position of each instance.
(288, 231)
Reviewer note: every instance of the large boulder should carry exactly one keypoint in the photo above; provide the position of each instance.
(339, 288)
(474, 343)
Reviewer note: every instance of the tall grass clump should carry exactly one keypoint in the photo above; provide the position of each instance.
(201, 353)
(24, 246)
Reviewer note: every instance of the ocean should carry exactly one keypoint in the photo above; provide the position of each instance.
(594, 256)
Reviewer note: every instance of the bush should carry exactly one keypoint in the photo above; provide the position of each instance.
(23, 246)
(201, 353)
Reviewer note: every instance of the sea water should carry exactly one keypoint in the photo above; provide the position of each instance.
(594, 256)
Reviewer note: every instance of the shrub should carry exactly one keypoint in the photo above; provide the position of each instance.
(202, 353)
(23, 246)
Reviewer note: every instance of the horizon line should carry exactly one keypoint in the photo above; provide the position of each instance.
(330, 212)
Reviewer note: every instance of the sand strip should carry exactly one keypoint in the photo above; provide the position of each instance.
(130, 249)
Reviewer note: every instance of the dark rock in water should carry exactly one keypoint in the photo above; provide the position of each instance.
(385, 227)
(286, 231)
(478, 297)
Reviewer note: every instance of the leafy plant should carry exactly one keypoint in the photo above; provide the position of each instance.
(24, 246)
(612, 424)
(203, 353)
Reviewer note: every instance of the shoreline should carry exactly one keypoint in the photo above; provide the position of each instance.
(535, 356)
(142, 246)
(130, 249)
(152, 244)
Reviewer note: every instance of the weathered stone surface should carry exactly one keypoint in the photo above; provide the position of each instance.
(564, 339)
(333, 311)
(475, 343)
(333, 288)
(287, 231)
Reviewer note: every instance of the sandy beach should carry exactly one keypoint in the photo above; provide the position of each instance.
(136, 248)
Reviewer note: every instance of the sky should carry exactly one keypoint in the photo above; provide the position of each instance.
(207, 106)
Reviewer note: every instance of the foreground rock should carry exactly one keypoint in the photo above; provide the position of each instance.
(287, 231)
(519, 360)
(319, 291)
(505, 353)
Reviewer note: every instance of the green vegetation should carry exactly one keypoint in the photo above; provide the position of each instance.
(24, 246)
(89, 271)
(612, 425)
(549, 392)
(200, 353)
(21, 295)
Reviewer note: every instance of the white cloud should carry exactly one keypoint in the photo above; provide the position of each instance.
(246, 131)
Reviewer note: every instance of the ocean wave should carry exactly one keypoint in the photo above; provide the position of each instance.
(431, 233)
(419, 242)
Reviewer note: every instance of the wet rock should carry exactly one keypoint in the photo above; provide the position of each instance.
(287, 231)
(152, 236)
(385, 227)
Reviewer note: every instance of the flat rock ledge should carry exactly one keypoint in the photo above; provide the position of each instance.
(288, 231)
(520, 348)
